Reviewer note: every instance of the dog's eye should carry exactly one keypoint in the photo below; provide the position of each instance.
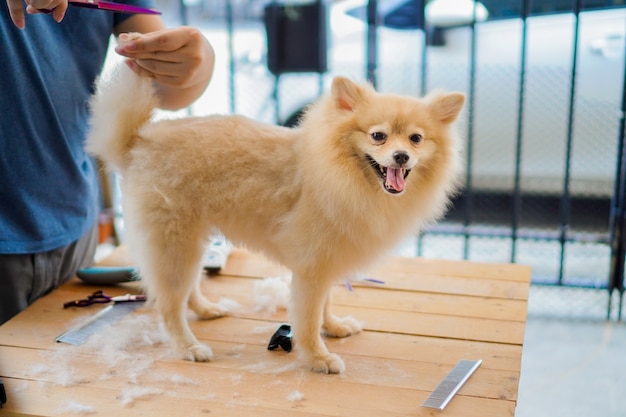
(379, 136)
(415, 138)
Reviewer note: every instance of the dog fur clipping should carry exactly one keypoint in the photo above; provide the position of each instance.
(361, 173)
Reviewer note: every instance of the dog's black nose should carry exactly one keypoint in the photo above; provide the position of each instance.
(401, 157)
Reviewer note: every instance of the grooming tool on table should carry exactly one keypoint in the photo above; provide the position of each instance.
(213, 259)
(99, 297)
(216, 254)
(106, 275)
(361, 279)
(3, 394)
(282, 338)
(108, 6)
(122, 305)
(455, 379)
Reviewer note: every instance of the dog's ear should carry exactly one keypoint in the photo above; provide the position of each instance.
(347, 94)
(446, 107)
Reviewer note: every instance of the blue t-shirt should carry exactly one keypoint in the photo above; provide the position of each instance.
(49, 195)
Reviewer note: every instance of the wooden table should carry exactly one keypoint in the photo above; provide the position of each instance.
(428, 315)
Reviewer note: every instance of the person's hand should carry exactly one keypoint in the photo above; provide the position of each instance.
(16, 9)
(179, 57)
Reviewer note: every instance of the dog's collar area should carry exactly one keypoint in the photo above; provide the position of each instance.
(383, 173)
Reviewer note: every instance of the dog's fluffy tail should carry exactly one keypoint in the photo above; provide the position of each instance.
(123, 102)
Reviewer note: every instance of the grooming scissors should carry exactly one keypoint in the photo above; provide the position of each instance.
(108, 6)
(99, 297)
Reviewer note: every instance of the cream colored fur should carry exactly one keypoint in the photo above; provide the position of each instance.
(307, 197)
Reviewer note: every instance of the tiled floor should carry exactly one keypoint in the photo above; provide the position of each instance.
(573, 369)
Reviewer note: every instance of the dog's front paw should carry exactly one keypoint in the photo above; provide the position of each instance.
(328, 364)
(341, 327)
(198, 353)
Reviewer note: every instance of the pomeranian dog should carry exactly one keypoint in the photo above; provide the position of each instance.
(361, 172)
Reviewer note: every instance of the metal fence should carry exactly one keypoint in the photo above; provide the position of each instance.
(545, 179)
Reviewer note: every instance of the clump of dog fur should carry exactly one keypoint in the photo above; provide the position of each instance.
(361, 173)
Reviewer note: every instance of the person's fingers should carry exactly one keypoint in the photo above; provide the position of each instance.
(161, 41)
(159, 67)
(166, 74)
(55, 7)
(163, 56)
(178, 40)
(16, 11)
(59, 12)
(172, 57)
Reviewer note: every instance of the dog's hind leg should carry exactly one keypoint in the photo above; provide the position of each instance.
(338, 326)
(204, 308)
(307, 303)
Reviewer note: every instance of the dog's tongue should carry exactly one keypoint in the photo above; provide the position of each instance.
(395, 179)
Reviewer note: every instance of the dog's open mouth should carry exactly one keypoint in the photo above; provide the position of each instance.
(393, 179)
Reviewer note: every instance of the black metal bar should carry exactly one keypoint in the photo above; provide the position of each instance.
(516, 206)
(320, 84)
(469, 192)
(619, 280)
(422, 92)
(617, 223)
(424, 62)
(419, 250)
(372, 41)
(320, 79)
(231, 55)
(275, 98)
(183, 12)
(565, 204)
